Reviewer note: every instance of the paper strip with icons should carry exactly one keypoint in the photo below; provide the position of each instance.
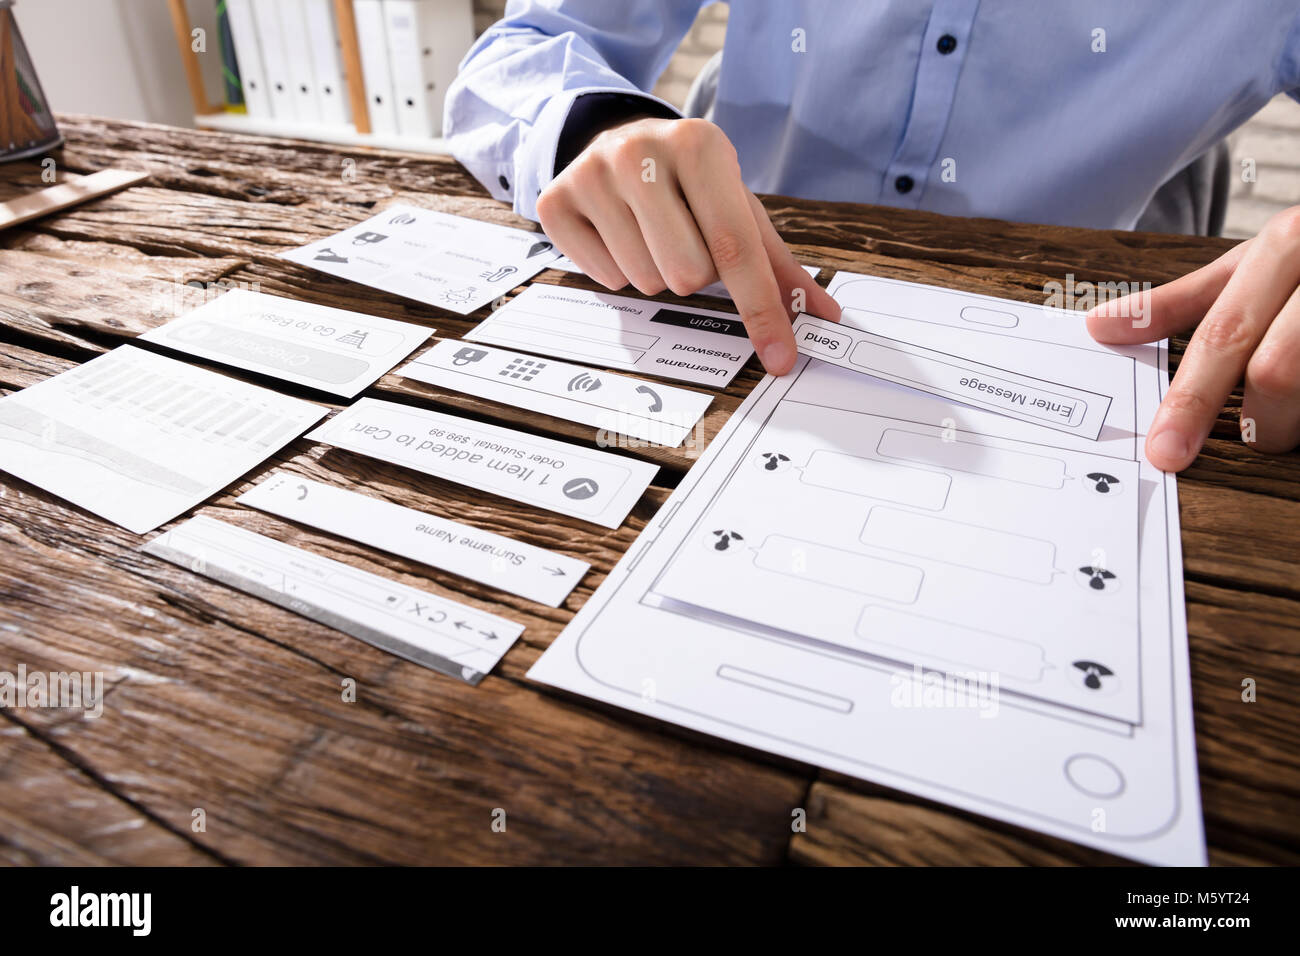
(447, 261)
(334, 350)
(445, 636)
(492, 559)
(658, 413)
(581, 482)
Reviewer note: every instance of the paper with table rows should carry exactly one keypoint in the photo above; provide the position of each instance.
(925, 592)
(138, 438)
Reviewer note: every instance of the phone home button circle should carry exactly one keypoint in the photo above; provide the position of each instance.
(1095, 776)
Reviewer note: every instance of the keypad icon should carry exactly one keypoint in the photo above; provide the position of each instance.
(522, 368)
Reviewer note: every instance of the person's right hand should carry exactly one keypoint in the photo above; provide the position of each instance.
(660, 204)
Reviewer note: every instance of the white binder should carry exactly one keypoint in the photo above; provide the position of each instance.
(426, 41)
(374, 66)
(275, 59)
(248, 54)
(298, 59)
(326, 61)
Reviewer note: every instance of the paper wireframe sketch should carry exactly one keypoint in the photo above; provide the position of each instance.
(449, 261)
(919, 592)
(333, 350)
(138, 438)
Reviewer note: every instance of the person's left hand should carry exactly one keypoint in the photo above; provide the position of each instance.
(1248, 305)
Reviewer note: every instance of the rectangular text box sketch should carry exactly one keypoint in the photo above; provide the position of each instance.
(907, 636)
(972, 457)
(838, 568)
(872, 478)
(966, 545)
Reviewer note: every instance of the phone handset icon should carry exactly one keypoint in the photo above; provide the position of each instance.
(657, 405)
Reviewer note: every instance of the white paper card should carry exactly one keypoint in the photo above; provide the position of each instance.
(492, 559)
(657, 413)
(448, 261)
(429, 630)
(138, 438)
(333, 350)
(614, 331)
(1029, 398)
(593, 485)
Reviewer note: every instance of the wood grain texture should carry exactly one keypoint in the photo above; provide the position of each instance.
(223, 703)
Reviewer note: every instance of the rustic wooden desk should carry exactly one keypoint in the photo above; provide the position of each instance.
(223, 703)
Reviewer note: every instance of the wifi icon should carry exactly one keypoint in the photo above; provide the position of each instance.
(582, 382)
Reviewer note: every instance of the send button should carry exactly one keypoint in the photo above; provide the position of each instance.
(817, 340)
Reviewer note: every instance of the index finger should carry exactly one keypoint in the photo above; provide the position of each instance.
(720, 203)
(1218, 353)
(1167, 309)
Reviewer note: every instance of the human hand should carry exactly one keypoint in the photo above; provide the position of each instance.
(1248, 305)
(660, 204)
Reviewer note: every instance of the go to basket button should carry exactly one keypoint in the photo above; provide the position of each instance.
(819, 340)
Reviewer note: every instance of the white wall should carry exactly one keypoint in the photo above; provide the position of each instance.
(116, 58)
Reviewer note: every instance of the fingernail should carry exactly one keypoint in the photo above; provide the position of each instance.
(1170, 446)
(777, 357)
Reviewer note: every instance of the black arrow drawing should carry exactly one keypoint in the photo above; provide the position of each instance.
(490, 635)
(556, 571)
(460, 625)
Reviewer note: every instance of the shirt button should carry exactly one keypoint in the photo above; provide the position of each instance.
(947, 43)
(505, 183)
(904, 184)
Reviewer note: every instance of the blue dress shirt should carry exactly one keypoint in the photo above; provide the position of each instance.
(1032, 110)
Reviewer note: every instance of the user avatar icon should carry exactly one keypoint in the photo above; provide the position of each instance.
(772, 461)
(725, 540)
(1102, 483)
(1098, 579)
(1093, 673)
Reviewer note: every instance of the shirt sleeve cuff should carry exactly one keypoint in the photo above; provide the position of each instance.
(564, 117)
